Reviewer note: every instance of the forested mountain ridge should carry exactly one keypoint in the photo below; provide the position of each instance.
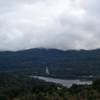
(60, 63)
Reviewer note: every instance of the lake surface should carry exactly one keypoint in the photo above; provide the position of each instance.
(67, 83)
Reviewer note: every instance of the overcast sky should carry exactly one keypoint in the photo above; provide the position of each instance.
(61, 24)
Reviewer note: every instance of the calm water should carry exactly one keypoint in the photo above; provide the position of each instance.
(66, 83)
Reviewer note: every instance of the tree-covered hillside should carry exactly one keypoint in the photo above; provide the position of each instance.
(60, 63)
(20, 87)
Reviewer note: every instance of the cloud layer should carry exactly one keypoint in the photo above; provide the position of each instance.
(61, 24)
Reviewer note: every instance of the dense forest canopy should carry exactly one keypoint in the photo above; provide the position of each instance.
(20, 87)
(60, 63)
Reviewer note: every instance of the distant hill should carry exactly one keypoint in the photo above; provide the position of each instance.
(60, 63)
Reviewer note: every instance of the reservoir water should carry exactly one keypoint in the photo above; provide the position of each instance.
(65, 82)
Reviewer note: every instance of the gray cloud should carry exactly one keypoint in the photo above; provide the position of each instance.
(62, 24)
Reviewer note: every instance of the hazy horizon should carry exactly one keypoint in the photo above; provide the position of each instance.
(42, 48)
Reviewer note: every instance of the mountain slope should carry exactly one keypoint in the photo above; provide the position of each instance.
(60, 63)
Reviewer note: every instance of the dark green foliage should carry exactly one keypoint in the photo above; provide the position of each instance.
(21, 87)
(4, 98)
(82, 63)
(16, 67)
(96, 85)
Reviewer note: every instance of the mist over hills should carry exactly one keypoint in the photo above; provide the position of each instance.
(60, 63)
